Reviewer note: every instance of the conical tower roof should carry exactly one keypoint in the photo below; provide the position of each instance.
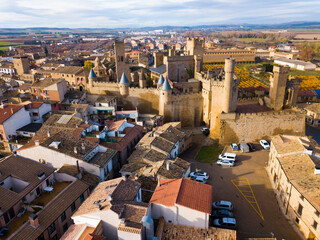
(124, 79)
(166, 85)
(161, 80)
(92, 74)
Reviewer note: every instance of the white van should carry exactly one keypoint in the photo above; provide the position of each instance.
(228, 156)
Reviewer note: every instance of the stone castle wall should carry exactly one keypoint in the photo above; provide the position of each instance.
(251, 127)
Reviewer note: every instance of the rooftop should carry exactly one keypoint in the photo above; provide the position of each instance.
(160, 69)
(31, 127)
(68, 70)
(119, 189)
(46, 82)
(184, 192)
(287, 144)
(22, 169)
(52, 211)
(314, 107)
(162, 144)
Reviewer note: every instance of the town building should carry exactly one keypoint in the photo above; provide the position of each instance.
(27, 185)
(297, 64)
(50, 89)
(178, 201)
(117, 204)
(313, 114)
(294, 173)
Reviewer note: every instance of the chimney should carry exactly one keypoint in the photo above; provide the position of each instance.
(158, 181)
(109, 197)
(37, 142)
(168, 165)
(49, 134)
(124, 177)
(34, 221)
(75, 150)
(136, 176)
(83, 146)
(12, 111)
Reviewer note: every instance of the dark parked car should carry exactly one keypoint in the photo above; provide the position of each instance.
(252, 147)
(221, 213)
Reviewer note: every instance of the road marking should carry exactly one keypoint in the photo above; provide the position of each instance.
(247, 194)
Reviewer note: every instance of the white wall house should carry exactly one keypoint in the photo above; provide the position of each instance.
(117, 132)
(179, 202)
(297, 64)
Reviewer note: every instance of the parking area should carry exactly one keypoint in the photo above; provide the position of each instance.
(248, 187)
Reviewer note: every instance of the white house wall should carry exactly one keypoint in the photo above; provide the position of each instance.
(122, 235)
(20, 119)
(56, 159)
(191, 217)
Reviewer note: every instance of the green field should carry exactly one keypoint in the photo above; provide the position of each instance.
(10, 43)
(294, 72)
(249, 40)
(209, 154)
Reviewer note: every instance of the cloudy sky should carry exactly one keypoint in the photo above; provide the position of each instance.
(138, 13)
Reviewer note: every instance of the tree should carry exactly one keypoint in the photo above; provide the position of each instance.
(307, 54)
(88, 64)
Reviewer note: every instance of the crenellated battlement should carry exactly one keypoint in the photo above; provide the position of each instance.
(241, 116)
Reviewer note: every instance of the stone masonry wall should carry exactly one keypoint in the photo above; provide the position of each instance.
(252, 127)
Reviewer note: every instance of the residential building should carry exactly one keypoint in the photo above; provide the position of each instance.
(7, 68)
(178, 201)
(50, 89)
(62, 148)
(72, 74)
(117, 204)
(297, 64)
(313, 114)
(27, 185)
(12, 117)
(294, 173)
(37, 110)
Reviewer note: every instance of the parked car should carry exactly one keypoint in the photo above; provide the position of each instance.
(199, 179)
(223, 205)
(225, 163)
(265, 144)
(244, 147)
(228, 156)
(229, 223)
(221, 213)
(234, 146)
(3, 231)
(205, 131)
(252, 147)
(200, 174)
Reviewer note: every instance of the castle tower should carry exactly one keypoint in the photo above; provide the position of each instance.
(92, 77)
(21, 64)
(142, 80)
(292, 92)
(195, 46)
(278, 84)
(121, 66)
(165, 98)
(124, 85)
(230, 89)
(99, 68)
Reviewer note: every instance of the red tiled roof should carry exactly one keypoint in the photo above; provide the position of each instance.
(113, 126)
(307, 93)
(184, 192)
(6, 112)
(36, 104)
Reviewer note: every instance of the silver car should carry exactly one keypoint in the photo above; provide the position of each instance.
(225, 163)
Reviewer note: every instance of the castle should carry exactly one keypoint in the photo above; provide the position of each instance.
(210, 97)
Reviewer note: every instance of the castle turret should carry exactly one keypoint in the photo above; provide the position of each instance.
(160, 81)
(92, 77)
(142, 80)
(21, 64)
(278, 84)
(124, 85)
(230, 90)
(165, 98)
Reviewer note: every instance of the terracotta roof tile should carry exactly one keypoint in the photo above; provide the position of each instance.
(184, 192)
(6, 111)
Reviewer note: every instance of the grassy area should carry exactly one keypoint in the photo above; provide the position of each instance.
(209, 154)
(249, 40)
(294, 72)
(9, 43)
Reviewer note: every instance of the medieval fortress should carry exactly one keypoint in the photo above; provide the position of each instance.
(209, 97)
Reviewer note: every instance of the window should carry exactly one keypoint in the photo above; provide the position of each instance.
(65, 227)
(314, 225)
(300, 209)
(52, 228)
(317, 213)
(81, 198)
(297, 220)
(73, 207)
(301, 197)
(63, 216)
